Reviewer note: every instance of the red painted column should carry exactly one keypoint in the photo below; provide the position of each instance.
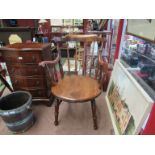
(85, 25)
(47, 26)
(150, 126)
(110, 41)
(25, 23)
(119, 36)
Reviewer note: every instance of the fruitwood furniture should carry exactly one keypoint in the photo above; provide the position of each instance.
(79, 85)
(22, 64)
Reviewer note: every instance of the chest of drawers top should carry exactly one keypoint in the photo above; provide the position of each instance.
(25, 53)
(25, 47)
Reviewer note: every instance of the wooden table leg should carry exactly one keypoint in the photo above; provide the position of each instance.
(93, 107)
(57, 112)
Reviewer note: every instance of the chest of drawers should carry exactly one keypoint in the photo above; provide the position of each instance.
(22, 63)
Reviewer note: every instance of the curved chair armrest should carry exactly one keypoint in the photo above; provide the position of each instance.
(52, 62)
(106, 69)
(102, 62)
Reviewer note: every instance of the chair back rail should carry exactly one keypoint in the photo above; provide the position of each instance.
(92, 65)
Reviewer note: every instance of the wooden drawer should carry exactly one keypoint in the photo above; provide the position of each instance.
(20, 82)
(22, 57)
(25, 70)
(22, 64)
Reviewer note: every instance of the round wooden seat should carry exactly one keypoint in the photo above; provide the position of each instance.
(75, 88)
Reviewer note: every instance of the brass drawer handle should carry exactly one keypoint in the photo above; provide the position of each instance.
(20, 58)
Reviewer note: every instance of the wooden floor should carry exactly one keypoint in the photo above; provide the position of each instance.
(74, 119)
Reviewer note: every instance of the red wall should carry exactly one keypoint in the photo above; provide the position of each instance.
(31, 23)
(26, 22)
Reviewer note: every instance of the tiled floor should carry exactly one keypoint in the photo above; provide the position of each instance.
(74, 119)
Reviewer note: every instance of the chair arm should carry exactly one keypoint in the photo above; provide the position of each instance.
(102, 62)
(106, 69)
(52, 62)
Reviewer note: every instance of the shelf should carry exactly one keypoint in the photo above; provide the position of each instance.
(63, 30)
(100, 32)
(90, 32)
(71, 26)
(15, 29)
(65, 48)
(67, 32)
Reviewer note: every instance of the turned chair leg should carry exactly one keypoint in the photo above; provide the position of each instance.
(93, 107)
(51, 100)
(57, 112)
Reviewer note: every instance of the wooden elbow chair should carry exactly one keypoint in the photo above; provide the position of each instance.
(80, 85)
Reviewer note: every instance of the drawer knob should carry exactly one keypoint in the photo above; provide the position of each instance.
(33, 58)
(20, 58)
(39, 92)
(35, 70)
(37, 82)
